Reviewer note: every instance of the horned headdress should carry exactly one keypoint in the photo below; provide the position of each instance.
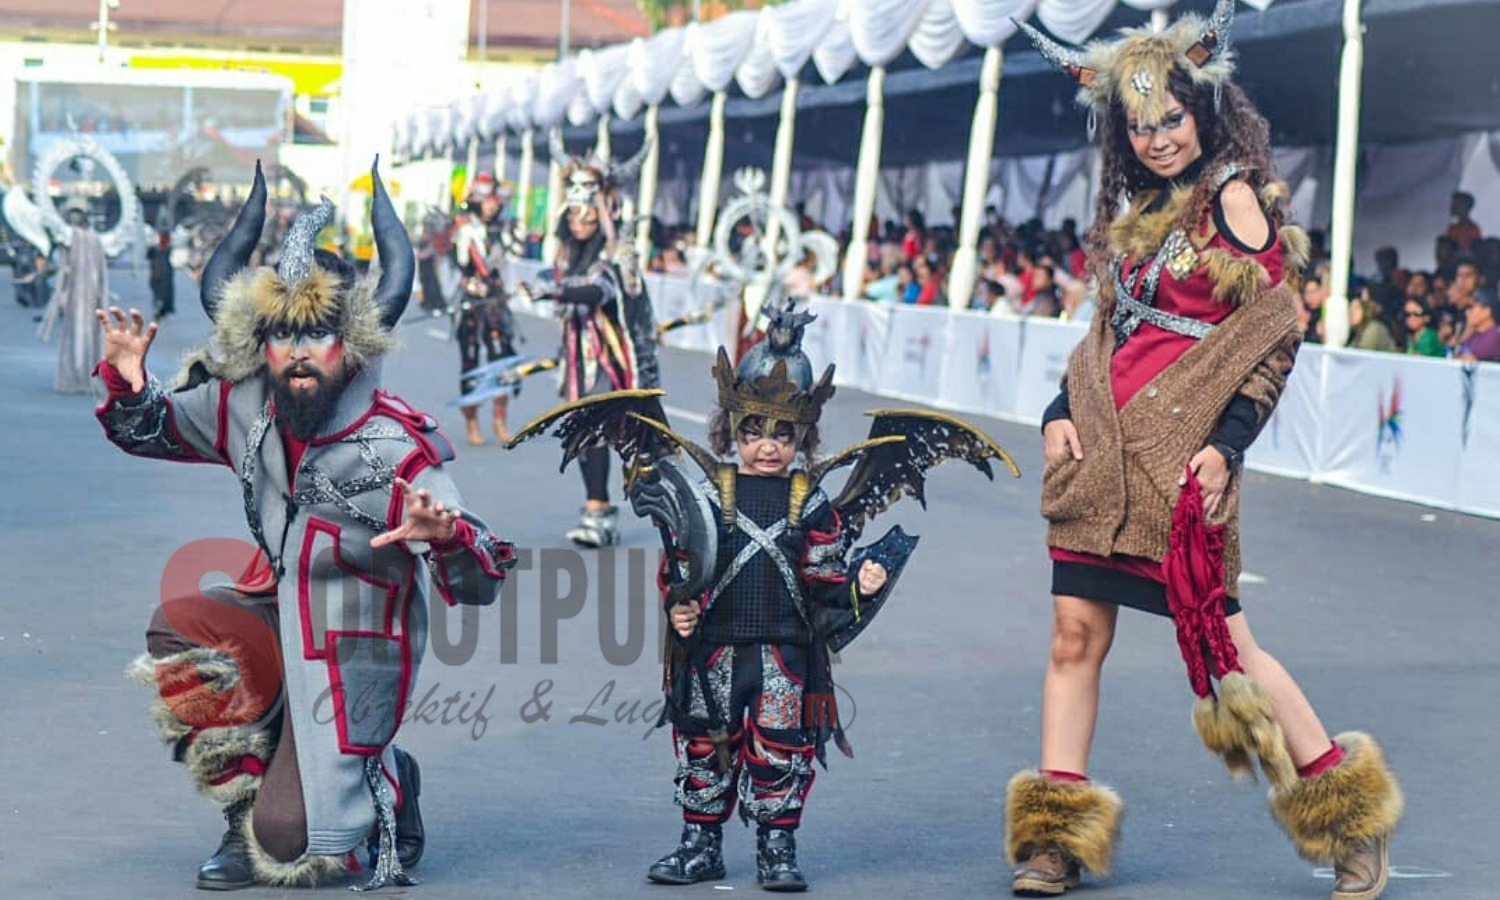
(1135, 68)
(308, 287)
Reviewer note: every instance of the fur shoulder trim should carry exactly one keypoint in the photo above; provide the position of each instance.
(1296, 248)
(1236, 279)
(1138, 233)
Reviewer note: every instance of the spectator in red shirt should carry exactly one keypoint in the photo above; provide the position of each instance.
(930, 282)
(912, 243)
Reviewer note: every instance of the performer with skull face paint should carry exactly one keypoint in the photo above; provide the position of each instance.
(282, 693)
(609, 327)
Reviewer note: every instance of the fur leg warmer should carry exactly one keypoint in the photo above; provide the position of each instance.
(193, 691)
(1238, 727)
(1080, 818)
(1329, 815)
(304, 871)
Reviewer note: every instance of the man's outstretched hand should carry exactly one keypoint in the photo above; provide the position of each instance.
(126, 340)
(424, 520)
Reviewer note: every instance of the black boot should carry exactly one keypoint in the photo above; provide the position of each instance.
(776, 860)
(700, 857)
(411, 839)
(229, 868)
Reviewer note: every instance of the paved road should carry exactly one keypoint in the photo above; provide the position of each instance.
(1384, 611)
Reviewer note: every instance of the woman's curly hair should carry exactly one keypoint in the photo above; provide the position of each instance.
(1230, 130)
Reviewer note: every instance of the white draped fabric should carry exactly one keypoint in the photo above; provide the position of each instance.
(987, 23)
(686, 89)
(653, 63)
(602, 72)
(937, 37)
(556, 87)
(1073, 21)
(523, 93)
(836, 54)
(880, 29)
(758, 74)
(627, 101)
(580, 110)
(792, 32)
(720, 46)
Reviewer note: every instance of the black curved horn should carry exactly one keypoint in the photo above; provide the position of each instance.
(398, 263)
(233, 252)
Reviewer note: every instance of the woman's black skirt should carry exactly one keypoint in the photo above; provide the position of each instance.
(1104, 585)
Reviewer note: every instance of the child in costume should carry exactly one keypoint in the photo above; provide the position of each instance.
(759, 579)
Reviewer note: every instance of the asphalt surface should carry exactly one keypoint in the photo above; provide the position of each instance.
(1384, 611)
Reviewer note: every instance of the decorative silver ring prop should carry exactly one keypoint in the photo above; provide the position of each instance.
(752, 265)
(127, 230)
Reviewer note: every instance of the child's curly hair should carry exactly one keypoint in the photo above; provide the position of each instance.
(721, 437)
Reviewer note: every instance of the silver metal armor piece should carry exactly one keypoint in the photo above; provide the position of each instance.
(676, 501)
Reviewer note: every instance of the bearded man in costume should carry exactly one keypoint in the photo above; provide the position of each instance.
(1185, 362)
(283, 692)
(609, 328)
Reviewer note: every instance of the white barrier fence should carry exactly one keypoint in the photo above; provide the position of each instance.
(1422, 430)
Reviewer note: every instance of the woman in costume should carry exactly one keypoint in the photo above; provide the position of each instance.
(1185, 362)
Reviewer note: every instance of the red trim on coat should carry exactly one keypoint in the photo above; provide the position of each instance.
(304, 600)
(336, 683)
(221, 439)
(119, 389)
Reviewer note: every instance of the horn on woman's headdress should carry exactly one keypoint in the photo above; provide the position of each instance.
(557, 148)
(233, 252)
(301, 240)
(1215, 39)
(398, 263)
(1067, 59)
(630, 167)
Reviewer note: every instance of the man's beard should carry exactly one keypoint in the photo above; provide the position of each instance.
(304, 413)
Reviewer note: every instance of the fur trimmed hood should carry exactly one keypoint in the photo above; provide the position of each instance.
(254, 299)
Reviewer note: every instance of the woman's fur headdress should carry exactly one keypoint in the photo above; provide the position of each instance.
(309, 286)
(1136, 67)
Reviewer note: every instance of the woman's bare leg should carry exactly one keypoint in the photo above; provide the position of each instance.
(1082, 631)
(1305, 736)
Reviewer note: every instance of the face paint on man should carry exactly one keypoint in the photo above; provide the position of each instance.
(307, 372)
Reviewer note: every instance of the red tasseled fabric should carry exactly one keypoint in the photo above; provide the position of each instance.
(1194, 571)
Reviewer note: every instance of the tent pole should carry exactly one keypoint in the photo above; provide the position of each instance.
(646, 197)
(471, 165)
(523, 189)
(976, 180)
(1345, 164)
(713, 171)
(554, 199)
(500, 160)
(866, 175)
(781, 159)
